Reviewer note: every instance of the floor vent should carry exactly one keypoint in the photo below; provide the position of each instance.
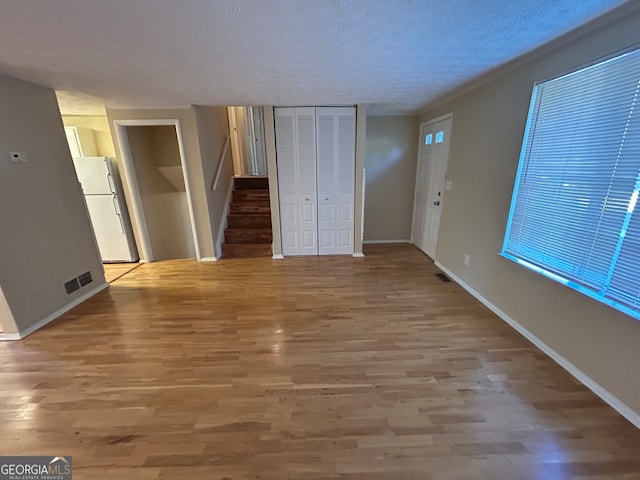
(85, 279)
(443, 277)
(72, 285)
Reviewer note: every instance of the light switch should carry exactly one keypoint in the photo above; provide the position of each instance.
(447, 185)
(18, 157)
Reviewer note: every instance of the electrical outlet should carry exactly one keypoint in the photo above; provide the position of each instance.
(466, 259)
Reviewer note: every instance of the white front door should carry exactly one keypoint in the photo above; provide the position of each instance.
(420, 199)
(430, 184)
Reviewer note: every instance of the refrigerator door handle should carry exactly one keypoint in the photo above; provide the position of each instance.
(112, 185)
(116, 208)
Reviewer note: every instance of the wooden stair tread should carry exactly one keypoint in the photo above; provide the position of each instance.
(235, 216)
(254, 207)
(248, 223)
(251, 183)
(262, 201)
(249, 229)
(248, 236)
(249, 220)
(251, 196)
(246, 250)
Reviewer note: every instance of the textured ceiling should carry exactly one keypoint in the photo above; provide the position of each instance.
(396, 55)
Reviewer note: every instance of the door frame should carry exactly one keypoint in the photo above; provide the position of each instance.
(131, 181)
(236, 148)
(448, 116)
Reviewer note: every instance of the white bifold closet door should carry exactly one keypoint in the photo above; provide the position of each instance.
(315, 149)
(335, 127)
(296, 157)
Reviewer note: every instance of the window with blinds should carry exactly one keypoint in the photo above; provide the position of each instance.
(574, 214)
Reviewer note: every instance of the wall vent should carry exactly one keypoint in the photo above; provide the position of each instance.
(85, 279)
(78, 282)
(72, 285)
(443, 277)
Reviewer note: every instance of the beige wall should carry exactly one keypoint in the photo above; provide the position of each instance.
(189, 132)
(165, 145)
(45, 234)
(169, 225)
(213, 130)
(146, 161)
(100, 127)
(488, 125)
(392, 149)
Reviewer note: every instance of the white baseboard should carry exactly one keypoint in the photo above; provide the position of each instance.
(223, 221)
(280, 256)
(208, 259)
(358, 255)
(382, 242)
(582, 377)
(9, 336)
(54, 315)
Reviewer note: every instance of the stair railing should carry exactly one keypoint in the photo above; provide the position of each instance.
(216, 178)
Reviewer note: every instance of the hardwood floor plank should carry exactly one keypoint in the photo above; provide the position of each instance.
(114, 271)
(303, 368)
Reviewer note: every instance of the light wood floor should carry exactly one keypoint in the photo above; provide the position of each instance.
(113, 271)
(314, 368)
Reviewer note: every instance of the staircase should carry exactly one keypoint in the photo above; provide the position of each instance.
(248, 232)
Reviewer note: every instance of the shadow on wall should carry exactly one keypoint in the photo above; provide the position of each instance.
(386, 156)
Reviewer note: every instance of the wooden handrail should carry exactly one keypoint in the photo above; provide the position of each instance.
(214, 184)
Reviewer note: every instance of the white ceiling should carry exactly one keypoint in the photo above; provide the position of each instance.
(396, 55)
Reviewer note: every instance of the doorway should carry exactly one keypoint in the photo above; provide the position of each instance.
(246, 126)
(248, 224)
(433, 157)
(157, 177)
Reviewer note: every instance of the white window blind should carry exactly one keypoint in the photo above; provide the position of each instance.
(573, 214)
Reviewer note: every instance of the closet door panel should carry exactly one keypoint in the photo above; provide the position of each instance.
(309, 241)
(326, 167)
(307, 193)
(345, 181)
(289, 217)
(344, 227)
(287, 180)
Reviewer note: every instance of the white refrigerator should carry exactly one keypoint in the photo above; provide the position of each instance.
(107, 209)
